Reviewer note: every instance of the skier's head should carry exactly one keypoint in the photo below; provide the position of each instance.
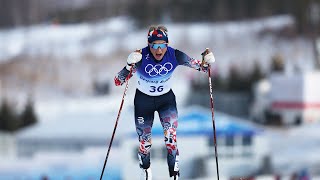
(158, 41)
(157, 33)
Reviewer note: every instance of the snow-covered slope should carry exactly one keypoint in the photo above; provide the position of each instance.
(237, 42)
(66, 59)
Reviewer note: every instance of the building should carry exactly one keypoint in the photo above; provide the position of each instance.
(73, 130)
(74, 143)
(73, 126)
(242, 147)
(287, 99)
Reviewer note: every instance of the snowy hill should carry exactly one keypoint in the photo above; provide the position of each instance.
(231, 41)
(68, 59)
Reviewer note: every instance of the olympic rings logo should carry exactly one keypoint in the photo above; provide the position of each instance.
(158, 69)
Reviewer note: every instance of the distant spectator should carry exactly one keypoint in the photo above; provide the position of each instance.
(277, 177)
(304, 175)
(294, 176)
(44, 177)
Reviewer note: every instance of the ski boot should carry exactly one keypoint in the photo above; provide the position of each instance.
(146, 174)
(176, 177)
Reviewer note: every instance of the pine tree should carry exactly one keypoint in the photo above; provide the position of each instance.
(28, 116)
(8, 118)
(257, 73)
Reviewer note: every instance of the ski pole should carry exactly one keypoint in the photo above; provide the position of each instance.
(116, 124)
(212, 111)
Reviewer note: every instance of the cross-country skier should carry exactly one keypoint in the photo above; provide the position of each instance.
(154, 66)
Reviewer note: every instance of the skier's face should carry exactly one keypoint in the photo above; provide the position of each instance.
(158, 48)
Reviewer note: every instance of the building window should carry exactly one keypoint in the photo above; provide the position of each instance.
(247, 153)
(155, 153)
(158, 153)
(230, 141)
(233, 146)
(221, 141)
(164, 153)
(246, 140)
(135, 154)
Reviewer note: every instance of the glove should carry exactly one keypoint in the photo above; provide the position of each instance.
(134, 57)
(209, 58)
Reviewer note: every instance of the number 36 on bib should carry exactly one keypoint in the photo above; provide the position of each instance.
(156, 88)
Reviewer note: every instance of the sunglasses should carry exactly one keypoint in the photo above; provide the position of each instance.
(156, 46)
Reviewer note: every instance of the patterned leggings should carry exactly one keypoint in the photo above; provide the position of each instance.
(165, 105)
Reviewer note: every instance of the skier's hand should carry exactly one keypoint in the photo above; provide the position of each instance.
(208, 57)
(134, 57)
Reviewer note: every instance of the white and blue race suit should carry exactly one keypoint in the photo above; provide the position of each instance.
(154, 94)
(154, 76)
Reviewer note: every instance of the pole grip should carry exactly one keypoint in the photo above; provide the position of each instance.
(205, 52)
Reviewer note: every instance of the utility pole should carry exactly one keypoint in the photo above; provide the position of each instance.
(314, 18)
(0, 90)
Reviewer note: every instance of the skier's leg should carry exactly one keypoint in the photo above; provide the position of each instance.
(169, 119)
(144, 115)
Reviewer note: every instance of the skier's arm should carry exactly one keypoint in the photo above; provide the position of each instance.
(185, 60)
(133, 61)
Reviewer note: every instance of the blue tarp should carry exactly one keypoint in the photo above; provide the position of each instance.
(198, 121)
